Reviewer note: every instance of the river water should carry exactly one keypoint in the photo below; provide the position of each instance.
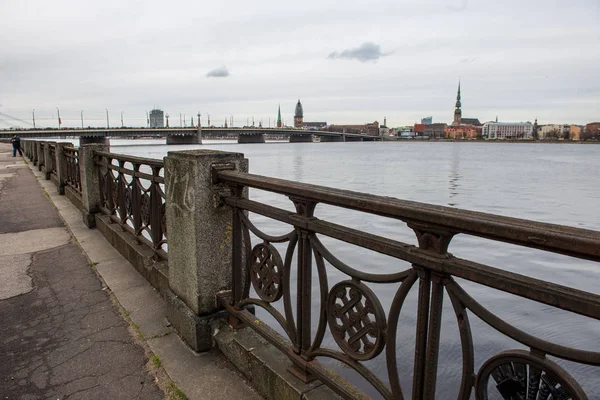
(556, 183)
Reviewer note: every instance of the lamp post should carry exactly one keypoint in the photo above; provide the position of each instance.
(180, 123)
(107, 123)
(33, 112)
(81, 119)
(147, 120)
(184, 124)
(58, 114)
(199, 119)
(122, 119)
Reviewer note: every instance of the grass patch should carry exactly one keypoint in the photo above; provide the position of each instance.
(174, 392)
(156, 361)
(92, 264)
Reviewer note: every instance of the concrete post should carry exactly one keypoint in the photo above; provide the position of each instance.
(61, 166)
(200, 248)
(90, 185)
(47, 161)
(38, 153)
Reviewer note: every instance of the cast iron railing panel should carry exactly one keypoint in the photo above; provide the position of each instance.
(73, 178)
(352, 313)
(131, 191)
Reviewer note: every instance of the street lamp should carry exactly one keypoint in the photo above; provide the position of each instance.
(81, 119)
(122, 119)
(180, 123)
(107, 123)
(33, 118)
(198, 119)
(58, 114)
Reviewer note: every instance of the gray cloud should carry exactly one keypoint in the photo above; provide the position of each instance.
(220, 72)
(367, 51)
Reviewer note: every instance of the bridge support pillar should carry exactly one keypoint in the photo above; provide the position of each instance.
(251, 138)
(83, 140)
(90, 185)
(185, 139)
(301, 138)
(199, 263)
(353, 139)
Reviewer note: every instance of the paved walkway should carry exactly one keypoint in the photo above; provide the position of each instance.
(61, 336)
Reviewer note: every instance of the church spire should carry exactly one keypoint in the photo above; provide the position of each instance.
(279, 116)
(457, 110)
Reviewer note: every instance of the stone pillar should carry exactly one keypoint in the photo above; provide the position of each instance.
(251, 138)
(61, 166)
(38, 154)
(47, 161)
(200, 248)
(90, 186)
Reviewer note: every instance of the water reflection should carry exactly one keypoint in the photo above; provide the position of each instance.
(453, 183)
(533, 181)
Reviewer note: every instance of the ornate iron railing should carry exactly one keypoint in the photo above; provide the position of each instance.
(353, 313)
(52, 162)
(131, 191)
(73, 178)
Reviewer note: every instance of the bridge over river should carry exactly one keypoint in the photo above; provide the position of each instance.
(192, 135)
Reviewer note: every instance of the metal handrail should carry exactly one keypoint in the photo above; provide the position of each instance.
(352, 312)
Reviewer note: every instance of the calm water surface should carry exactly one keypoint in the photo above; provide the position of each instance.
(556, 183)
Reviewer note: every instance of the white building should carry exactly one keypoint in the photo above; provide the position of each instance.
(507, 130)
(554, 131)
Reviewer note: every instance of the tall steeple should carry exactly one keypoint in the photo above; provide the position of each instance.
(457, 110)
(279, 116)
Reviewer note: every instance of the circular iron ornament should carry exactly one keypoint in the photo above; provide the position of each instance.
(266, 272)
(518, 374)
(145, 208)
(356, 319)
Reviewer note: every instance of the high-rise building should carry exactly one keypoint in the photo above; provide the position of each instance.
(427, 121)
(157, 118)
(298, 115)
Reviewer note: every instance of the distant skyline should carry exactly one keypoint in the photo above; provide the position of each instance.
(350, 63)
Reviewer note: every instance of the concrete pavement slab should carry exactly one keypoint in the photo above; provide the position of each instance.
(14, 279)
(33, 240)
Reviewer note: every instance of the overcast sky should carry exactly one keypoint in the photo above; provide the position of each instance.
(348, 61)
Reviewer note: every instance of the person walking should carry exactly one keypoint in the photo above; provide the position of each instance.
(16, 143)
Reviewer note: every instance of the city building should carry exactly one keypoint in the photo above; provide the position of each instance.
(435, 131)
(419, 129)
(427, 120)
(157, 118)
(314, 126)
(554, 132)
(366, 129)
(298, 115)
(383, 129)
(592, 131)
(507, 130)
(463, 131)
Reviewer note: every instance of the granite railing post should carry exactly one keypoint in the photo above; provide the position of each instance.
(47, 160)
(61, 166)
(36, 152)
(200, 245)
(90, 186)
(40, 151)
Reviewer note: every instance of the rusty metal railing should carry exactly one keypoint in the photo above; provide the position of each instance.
(352, 313)
(131, 191)
(73, 178)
